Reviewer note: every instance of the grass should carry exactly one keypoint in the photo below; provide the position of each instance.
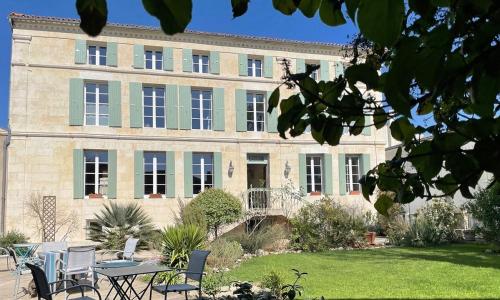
(453, 271)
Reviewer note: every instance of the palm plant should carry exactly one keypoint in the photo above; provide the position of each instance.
(115, 223)
(179, 241)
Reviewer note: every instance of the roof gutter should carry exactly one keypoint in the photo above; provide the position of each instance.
(3, 201)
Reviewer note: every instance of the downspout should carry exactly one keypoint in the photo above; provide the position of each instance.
(3, 203)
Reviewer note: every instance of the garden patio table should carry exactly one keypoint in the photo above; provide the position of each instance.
(123, 270)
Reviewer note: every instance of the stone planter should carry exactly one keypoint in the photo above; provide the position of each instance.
(155, 196)
(370, 237)
(95, 196)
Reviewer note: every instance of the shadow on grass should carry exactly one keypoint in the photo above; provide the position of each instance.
(472, 255)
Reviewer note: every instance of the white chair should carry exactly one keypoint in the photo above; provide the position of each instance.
(79, 261)
(127, 252)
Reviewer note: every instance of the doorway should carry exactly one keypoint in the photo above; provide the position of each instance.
(257, 180)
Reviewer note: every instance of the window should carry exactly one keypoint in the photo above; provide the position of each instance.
(200, 63)
(202, 172)
(91, 223)
(314, 173)
(255, 112)
(155, 166)
(201, 105)
(254, 67)
(96, 172)
(352, 173)
(314, 75)
(154, 106)
(96, 104)
(97, 55)
(153, 59)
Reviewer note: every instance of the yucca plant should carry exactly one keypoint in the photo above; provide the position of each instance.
(179, 241)
(115, 223)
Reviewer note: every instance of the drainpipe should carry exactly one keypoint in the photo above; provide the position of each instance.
(4, 181)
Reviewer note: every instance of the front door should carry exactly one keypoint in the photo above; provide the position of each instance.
(257, 180)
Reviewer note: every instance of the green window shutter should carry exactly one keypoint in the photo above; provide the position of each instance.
(241, 110)
(324, 70)
(138, 174)
(188, 174)
(112, 173)
(80, 52)
(342, 189)
(300, 65)
(217, 170)
(172, 104)
(339, 69)
(272, 118)
(115, 104)
(135, 105)
(170, 174)
(243, 64)
(268, 66)
(327, 174)
(76, 101)
(187, 60)
(302, 173)
(168, 59)
(368, 122)
(78, 181)
(214, 62)
(139, 56)
(112, 54)
(365, 164)
(184, 107)
(219, 119)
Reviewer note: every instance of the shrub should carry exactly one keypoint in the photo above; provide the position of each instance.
(12, 237)
(262, 238)
(486, 209)
(326, 224)
(224, 253)
(179, 241)
(213, 282)
(273, 281)
(216, 206)
(115, 223)
(393, 225)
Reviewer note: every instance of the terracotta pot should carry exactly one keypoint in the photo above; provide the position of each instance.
(154, 196)
(95, 196)
(370, 237)
(355, 193)
(315, 193)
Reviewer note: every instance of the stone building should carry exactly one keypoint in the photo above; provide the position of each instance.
(135, 115)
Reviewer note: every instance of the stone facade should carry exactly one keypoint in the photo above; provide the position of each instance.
(41, 151)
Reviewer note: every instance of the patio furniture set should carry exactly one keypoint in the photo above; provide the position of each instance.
(56, 267)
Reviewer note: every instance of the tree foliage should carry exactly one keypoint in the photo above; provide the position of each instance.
(486, 209)
(436, 59)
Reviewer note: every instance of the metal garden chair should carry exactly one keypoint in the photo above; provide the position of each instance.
(78, 261)
(127, 253)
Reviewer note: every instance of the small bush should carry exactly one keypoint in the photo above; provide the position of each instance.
(224, 253)
(12, 237)
(393, 225)
(326, 224)
(217, 208)
(486, 209)
(273, 281)
(179, 241)
(263, 238)
(213, 282)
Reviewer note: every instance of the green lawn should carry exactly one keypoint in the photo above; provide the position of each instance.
(455, 271)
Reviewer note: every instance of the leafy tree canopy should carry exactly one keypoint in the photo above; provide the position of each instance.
(437, 59)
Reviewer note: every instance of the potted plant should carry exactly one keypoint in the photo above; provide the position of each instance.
(155, 196)
(95, 196)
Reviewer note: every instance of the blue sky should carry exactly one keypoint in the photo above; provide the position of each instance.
(208, 15)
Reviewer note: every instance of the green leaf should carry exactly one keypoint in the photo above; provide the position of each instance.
(240, 7)
(352, 6)
(333, 131)
(383, 203)
(363, 73)
(449, 141)
(381, 21)
(309, 7)
(379, 118)
(447, 184)
(485, 90)
(368, 184)
(402, 130)
(174, 15)
(93, 15)
(287, 7)
(274, 100)
(358, 126)
(426, 160)
(330, 13)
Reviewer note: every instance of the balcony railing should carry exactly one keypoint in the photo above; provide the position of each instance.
(272, 201)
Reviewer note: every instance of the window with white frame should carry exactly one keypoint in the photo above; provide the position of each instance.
(155, 174)
(315, 74)
(96, 172)
(314, 172)
(154, 106)
(153, 59)
(200, 63)
(203, 177)
(353, 173)
(254, 67)
(256, 112)
(97, 55)
(201, 109)
(96, 104)
(91, 224)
